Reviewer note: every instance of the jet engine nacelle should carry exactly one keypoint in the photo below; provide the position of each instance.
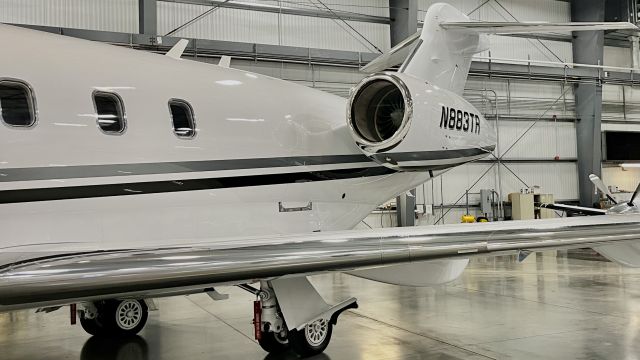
(407, 124)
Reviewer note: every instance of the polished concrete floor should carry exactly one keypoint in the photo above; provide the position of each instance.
(549, 307)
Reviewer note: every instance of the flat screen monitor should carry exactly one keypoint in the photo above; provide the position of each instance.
(620, 146)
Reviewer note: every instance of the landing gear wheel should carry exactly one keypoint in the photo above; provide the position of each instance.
(124, 317)
(91, 326)
(274, 343)
(313, 339)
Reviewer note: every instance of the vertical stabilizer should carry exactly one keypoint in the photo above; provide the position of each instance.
(443, 57)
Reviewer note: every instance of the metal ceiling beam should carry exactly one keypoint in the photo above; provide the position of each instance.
(311, 12)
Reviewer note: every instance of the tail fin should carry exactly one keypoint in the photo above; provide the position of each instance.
(441, 53)
(443, 57)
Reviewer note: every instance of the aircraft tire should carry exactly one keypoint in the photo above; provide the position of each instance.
(313, 339)
(273, 343)
(124, 317)
(91, 326)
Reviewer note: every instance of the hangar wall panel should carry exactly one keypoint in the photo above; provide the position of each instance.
(505, 47)
(617, 56)
(221, 24)
(545, 175)
(107, 15)
(272, 28)
(545, 140)
(626, 180)
(621, 104)
(455, 182)
(522, 97)
(521, 104)
(367, 7)
(330, 34)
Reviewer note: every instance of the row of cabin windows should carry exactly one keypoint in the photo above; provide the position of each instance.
(18, 109)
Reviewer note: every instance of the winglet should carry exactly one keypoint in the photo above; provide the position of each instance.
(178, 49)
(225, 61)
(602, 187)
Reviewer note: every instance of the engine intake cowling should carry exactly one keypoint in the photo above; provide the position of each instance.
(380, 111)
(406, 124)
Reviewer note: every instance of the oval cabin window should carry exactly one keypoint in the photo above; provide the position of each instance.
(110, 112)
(182, 117)
(17, 104)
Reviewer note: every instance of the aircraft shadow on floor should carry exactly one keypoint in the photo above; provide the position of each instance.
(129, 348)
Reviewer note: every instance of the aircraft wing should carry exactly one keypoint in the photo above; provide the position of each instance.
(91, 275)
(534, 27)
(574, 209)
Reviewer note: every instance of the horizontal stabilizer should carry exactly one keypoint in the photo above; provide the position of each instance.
(534, 27)
(393, 57)
(400, 52)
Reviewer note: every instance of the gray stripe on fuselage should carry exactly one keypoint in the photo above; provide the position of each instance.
(90, 171)
(432, 155)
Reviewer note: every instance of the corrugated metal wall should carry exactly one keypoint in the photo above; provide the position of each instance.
(107, 15)
(626, 179)
(280, 29)
(621, 104)
(617, 56)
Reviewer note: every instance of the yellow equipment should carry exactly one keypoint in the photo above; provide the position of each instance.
(468, 219)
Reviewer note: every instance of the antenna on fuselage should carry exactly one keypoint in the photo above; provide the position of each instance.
(178, 49)
(225, 61)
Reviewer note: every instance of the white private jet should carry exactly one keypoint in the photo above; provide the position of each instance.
(127, 176)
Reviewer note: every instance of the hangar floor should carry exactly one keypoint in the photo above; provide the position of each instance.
(549, 307)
